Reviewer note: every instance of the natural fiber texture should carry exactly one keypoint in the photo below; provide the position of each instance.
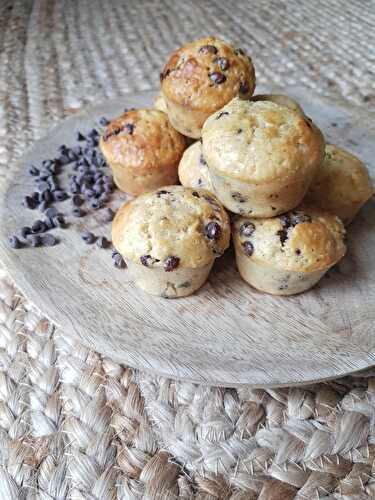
(75, 425)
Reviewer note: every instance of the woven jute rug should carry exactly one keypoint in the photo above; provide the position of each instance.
(75, 425)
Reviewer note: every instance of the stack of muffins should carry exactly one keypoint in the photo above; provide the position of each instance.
(253, 166)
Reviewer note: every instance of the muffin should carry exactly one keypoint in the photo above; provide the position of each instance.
(170, 238)
(201, 78)
(261, 156)
(282, 100)
(143, 150)
(288, 254)
(192, 170)
(342, 184)
(159, 103)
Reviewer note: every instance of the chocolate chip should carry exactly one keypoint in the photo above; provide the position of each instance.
(247, 229)
(239, 51)
(283, 235)
(202, 161)
(25, 231)
(171, 263)
(185, 284)
(48, 240)
(29, 202)
(47, 196)
(108, 215)
(208, 49)
(88, 238)
(59, 220)
(147, 260)
(248, 248)
(78, 212)
(34, 240)
(196, 194)
(62, 148)
(299, 218)
(217, 77)
(80, 137)
(239, 131)
(103, 242)
(222, 62)
(96, 204)
(118, 260)
(33, 171)
(14, 242)
(223, 113)
(77, 200)
(129, 127)
(161, 192)
(38, 227)
(212, 231)
(244, 88)
(59, 195)
(103, 121)
(298, 251)
(239, 197)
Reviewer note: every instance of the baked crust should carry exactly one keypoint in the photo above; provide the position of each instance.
(193, 170)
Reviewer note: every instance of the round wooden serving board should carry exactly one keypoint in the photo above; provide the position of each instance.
(226, 334)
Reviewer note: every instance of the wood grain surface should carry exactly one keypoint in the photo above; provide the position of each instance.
(228, 333)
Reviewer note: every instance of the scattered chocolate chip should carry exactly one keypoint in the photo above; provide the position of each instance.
(273, 208)
(161, 192)
(217, 77)
(222, 113)
(60, 195)
(118, 260)
(202, 161)
(239, 197)
(62, 148)
(14, 242)
(88, 238)
(283, 235)
(78, 212)
(244, 88)
(185, 284)
(196, 194)
(147, 260)
(96, 204)
(48, 240)
(239, 131)
(77, 200)
(208, 49)
(248, 248)
(239, 51)
(171, 263)
(103, 121)
(51, 212)
(212, 231)
(59, 220)
(34, 240)
(222, 62)
(108, 215)
(298, 251)
(38, 227)
(129, 127)
(247, 229)
(299, 218)
(33, 171)
(80, 137)
(25, 231)
(103, 242)
(29, 202)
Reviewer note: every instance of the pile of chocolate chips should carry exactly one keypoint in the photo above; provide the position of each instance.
(89, 188)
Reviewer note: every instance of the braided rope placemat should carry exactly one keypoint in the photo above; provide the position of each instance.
(76, 425)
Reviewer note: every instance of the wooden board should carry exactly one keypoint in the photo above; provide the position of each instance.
(228, 333)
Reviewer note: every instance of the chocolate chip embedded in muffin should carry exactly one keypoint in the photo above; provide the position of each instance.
(244, 88)
(247, 229)
(212, 230)
(208, 49)
(217, 77)
(222, 113)
(239, 197)
(171, 263)
(147, 260)
(248, 248)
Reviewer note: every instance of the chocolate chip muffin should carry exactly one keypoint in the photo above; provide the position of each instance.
(282, 100)
(342, 184)
(192, 170)
(170, 238)
(261, 156)
(159, 103)
(288, 254)
(143, 150)
(200, 78)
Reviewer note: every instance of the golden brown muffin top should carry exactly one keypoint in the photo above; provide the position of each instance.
(193, 170)
(206, 74)
(259, 142)
(342, 184)
(142, 139)
(187, 227)
(303, 240)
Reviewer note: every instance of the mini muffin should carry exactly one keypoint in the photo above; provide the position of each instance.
(261, 156)
(342, 184)
(288, 254)
(282, 100)
(170, 238)
(143, 150)
(201, 78)
(192, 170)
